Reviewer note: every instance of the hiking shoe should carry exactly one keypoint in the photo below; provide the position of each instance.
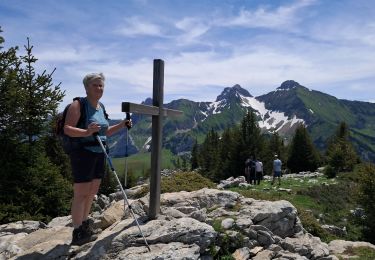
(88, 227)
(80, 237)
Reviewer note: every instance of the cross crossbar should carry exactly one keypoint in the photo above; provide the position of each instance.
(149, 110)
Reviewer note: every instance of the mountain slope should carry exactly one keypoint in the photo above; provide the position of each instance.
(323, 113)
(280, 110)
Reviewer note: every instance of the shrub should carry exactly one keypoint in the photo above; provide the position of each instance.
(330, 172)
(185, 181)
(35, 191)
(313, 226)
(361, 253)
(366, 199)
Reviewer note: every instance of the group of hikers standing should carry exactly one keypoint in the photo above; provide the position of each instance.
(254, 170)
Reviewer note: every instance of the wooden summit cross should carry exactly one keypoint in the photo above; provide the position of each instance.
(158, 112)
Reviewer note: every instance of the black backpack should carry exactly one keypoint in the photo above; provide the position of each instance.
(70, 144)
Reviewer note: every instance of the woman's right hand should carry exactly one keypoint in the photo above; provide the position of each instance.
(92, 128)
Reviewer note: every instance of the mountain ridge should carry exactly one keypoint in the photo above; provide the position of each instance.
(280, 110)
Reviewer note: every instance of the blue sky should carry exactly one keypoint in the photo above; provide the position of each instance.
(325, 45)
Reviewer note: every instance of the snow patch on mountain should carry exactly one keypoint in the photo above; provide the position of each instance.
(215, 107)
(273, 120)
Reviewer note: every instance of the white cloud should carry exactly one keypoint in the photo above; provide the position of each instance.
(63, 53)
(192, 30)
(281, 18)
(201, 76)
(137, 26)
(341, 31)
(203, 52)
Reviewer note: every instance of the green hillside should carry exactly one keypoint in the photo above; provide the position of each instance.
(323, 113)
(140, 164)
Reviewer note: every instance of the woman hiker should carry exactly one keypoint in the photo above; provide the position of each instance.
(88, 162)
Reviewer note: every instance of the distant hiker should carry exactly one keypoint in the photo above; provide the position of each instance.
(250, 170)
(258, 171)
(88, 161)
(276, 169)
(247, 170)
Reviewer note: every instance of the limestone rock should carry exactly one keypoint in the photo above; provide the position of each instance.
(8, 246)
(48, 243)
(254, 251)
(111, 215)
(335, 230)
(258, 229)
(61, 222)
(175, 250)
(340, 246)
(306, 245)
(232, 182)
(25, 226)
(241, 254)
(278, 216)
(264, 255)
(227, 223)
(285, 255)
(204, 198)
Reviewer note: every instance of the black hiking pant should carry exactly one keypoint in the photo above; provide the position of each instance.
(252, 177)
(258, 177)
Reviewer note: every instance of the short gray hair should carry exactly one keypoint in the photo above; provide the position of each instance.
(91, 76)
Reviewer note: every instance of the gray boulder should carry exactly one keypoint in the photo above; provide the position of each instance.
(306, 245)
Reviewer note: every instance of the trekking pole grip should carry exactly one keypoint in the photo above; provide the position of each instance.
(127, 118)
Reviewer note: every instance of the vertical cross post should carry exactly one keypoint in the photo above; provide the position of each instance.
(156, 144)
(157, 112)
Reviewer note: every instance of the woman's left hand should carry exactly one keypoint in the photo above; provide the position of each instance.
(128, 123)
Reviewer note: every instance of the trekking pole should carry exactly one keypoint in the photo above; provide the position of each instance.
(118, 180)
(126, 150)
(126, 156)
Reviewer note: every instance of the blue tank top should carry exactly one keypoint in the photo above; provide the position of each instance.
(97, 116)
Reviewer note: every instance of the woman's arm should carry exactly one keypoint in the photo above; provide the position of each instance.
(71, 120)
(115, 128)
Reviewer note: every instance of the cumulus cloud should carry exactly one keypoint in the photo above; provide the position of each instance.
(192, 29)
(255, 46)
(138, 26)
(280, 18)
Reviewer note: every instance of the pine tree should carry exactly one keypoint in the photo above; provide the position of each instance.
(208, 155)
(303, 155)
(250, 135)
(274, 145)
(38, 97)
(194, 156)
(31, 186)
(226, 150)
(341, 155)
(9, 106)
(366, 199)
(236, 155)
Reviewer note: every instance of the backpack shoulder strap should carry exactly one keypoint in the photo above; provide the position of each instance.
(82, 104)
(105, 112)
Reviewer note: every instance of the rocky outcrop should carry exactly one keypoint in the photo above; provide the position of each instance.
(339, 232)
(341, 247)
(192, 225)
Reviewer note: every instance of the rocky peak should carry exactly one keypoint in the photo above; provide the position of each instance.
(148, 102)
(232, 93)
(289, 84)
